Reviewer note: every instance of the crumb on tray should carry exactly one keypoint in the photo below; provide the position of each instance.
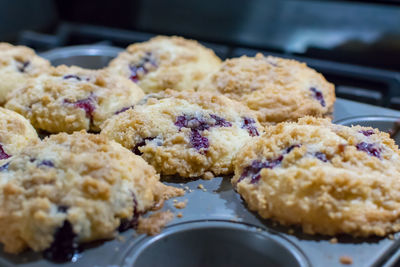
(180, 205)
(153, 224)
(333, 240)
(346, 260)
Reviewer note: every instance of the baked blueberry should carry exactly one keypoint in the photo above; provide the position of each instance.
(276, 89)
(68, 99)
(329, 179)
(166, 62)
(197, 133)
(70, 189)
(18, 64)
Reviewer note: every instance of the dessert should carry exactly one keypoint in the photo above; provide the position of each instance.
(329, 179)
(15, 133)
(68, 99)
(17, 65)
(276, 89)
(166, 62)
(71, 189)
(186, 133)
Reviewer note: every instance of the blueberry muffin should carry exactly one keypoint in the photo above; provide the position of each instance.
(329, 179)
(17, 65)
(186, 133)
(166, 62)
(70, 189)
(68, 99)
(15, 133)
(277, 89)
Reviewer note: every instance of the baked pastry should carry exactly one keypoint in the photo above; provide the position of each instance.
(329, 179)
(70, 189)
(15, 133)
(186, 133)
(17, 65)
(277, 89)
(68, 99)
(166, 62)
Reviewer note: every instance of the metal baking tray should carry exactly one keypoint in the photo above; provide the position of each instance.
(85, 56)
(217, 229)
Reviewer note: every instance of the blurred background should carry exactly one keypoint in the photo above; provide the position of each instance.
(355, 44)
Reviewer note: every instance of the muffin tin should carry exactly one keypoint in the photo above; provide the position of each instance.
(217, 229)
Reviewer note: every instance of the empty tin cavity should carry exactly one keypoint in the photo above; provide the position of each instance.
(84, 56)
(214, 243)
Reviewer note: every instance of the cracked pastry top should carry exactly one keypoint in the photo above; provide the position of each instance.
(15, 133)
(68, 99)
(166, 62)
(329, 179)
(17, 65)
(186, 133)
(276, 89)
(70, 189)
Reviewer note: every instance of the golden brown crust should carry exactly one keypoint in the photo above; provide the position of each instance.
(330, 179)
(17, 65)
(84, 179)
(169, 147)
(166, 62)
(277, 89)
(68, 99)
(15, 132)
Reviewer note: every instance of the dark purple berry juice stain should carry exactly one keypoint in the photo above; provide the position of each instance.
(123, 110)
(4, 167)
(136, 150)
(47, 163)
(370, 149)
(256, 166)
(194, 123)
(87, 104)
(197, 125)
(199, 142)
(142, 67)
(220, 122)
(367, 132)
(321, 156)
(65, 246)
(3, 154)
(289, 149)
(72, 76)
(317, 94)
(133, 222)
(250, 125)
(22, 65)
(62, 208)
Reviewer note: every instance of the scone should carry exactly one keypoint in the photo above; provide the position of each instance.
(166, 62)
(186, 133)
(68, 99)
(329, 179)
(15, 133)
(70, 189)
(17, 65)
(277, 89)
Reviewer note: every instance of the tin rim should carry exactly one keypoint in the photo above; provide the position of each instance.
(144, 243)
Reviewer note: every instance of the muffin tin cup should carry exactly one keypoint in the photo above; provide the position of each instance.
(214, 244)
(216, 227)
(85, 56)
